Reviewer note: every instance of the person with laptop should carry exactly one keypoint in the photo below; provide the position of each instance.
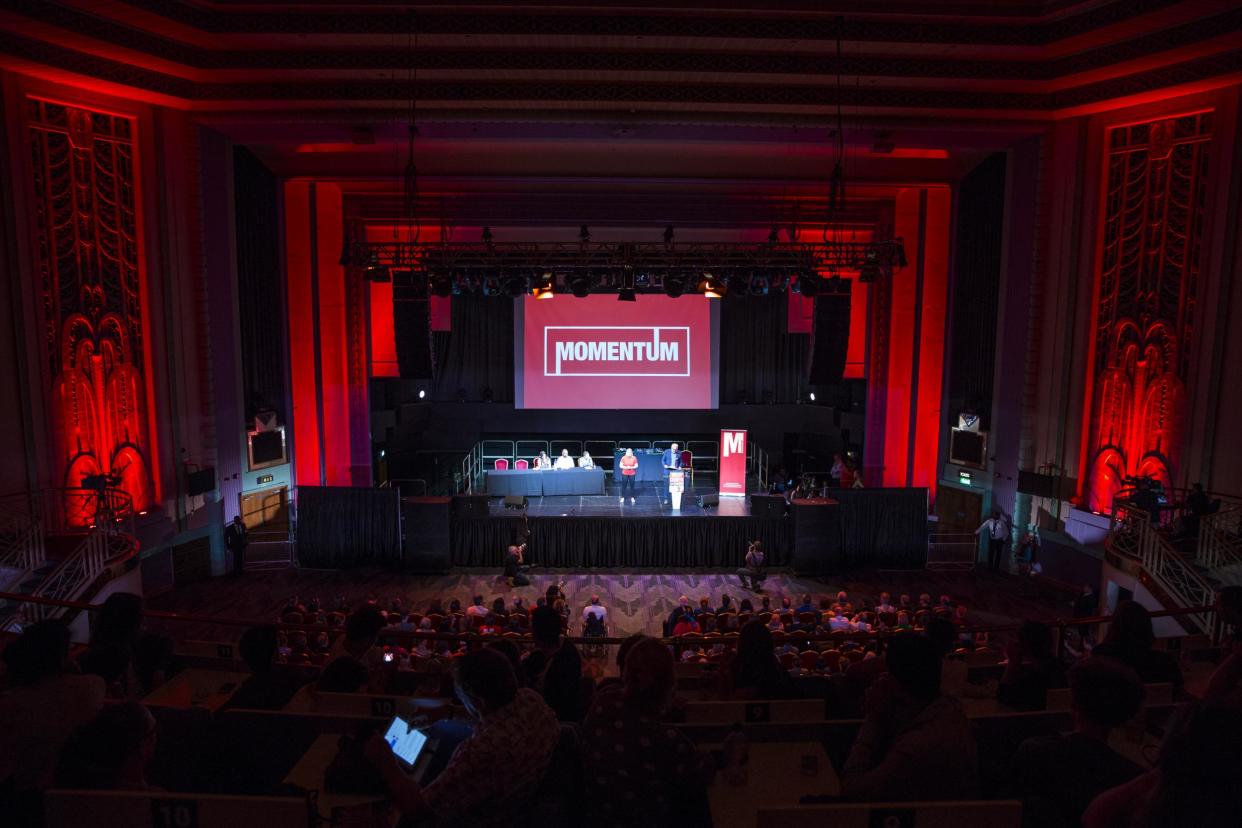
(496, 771)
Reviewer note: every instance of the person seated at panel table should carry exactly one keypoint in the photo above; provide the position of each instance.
(564, 461)
(543, 461)
(585, 461)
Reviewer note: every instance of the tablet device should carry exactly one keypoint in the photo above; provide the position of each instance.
(407, 742)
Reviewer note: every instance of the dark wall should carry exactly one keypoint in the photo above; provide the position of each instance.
(259, 283)
(976, 290)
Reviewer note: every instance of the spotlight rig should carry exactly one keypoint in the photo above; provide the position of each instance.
(626, 269)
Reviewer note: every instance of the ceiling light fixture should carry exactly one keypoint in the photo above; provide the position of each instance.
(711, 287)
(545, 286)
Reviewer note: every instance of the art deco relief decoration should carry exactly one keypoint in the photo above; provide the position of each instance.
(1147, 287)
(83, 166)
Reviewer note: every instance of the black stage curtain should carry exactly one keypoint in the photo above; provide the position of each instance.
(757, 352)
(478, 352)
(584, 543)
(340, 526)
(883, 527)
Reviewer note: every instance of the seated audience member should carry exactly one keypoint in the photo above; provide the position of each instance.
(498, 608)
(805, 605)
(885, 604)
(914, 743)
(434, 607)
(476, 608)
(594, 607)
(111, 752)
(1130, 639)
(343, 675)
(1225, 685)
(754, 672)
(562, 684)
(903, 603)
(1058, 776)
(639, 771)
(1032, 669)
(519, 607)
(510, 650)
(613, 683)
(546, 632)
(745, 606)
(267, 688)
(594, 626)
(839, 623)
(494, 774)
(925, 601)
(1195, 782)
(726, 603)
(686, 624)
(362, 629)
(117, 630)
(954, 674)
(704, 607)
(44, 702)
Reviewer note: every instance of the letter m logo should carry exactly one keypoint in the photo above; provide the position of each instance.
(734, 443)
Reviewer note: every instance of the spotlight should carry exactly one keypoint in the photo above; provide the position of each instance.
(545, 286)
(738, 284)
(808, 284)
(580, 285)
(422, 395)
(674, 284)
(711, 287)
(759, 285)
(442, 284)
(812, 395)
(491, 286)
(514, 286)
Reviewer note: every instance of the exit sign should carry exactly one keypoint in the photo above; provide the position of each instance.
(266, 478)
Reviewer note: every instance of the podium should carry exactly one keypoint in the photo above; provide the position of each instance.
(676, 485)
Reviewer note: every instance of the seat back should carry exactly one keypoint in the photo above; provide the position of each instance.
(783, 710)
(502, 464)
(687, 459)
(521, 465)
(140, 809)
(975, 814)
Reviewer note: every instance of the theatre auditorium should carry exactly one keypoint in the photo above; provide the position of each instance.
(682, 413)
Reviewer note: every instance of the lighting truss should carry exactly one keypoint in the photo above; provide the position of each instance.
(607, 267)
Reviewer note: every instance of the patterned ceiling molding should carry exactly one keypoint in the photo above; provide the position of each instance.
(691, 23)
(718, 60)
(540, 90)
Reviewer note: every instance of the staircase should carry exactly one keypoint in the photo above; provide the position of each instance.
(60, 542)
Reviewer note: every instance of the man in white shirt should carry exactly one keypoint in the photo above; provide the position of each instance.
(564, 461)
(997, 532)
(594, 607)
(840, 622)
(585, 461)
(476, 608)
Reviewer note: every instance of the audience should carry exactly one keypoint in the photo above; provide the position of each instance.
(362, 630)
(1130, 639)
(554, 666)
(111, 752)
(495, 772)
(754, 672)
(1058, 776)
(914, 743)
(1032, 669)
(267, 688)
(45, 702)
(640, 771)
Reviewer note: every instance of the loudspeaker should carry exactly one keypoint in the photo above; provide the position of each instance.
(830, 336)
(425, 533)
(515, 501)
(411, 320)
(201, 481)
(767, 506)
(707, 501)
(817, 538)
(470, 505)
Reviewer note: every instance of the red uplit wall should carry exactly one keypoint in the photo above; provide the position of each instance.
(304, 380)
(1146, 289)
(84, 179)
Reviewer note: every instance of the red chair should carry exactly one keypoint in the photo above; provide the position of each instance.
(789, 660)
(521, 465)
(502, 464)
(687, 464)
(832, 660)
(808, 659)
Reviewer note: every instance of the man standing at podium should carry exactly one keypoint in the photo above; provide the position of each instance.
(672, 463)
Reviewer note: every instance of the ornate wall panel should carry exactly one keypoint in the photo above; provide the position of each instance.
(1147, 286)
(82, 165)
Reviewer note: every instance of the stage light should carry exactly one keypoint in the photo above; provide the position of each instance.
(442, 284)
(759, 285)
(422, 394)
(738, 284)
(711, 287)
(514, 286)
(674, 285)
(373, 271)
(812, 395)
(545, 286)
(580, 285)
(383, 454)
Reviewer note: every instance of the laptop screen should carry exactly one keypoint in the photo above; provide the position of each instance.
(406, 742)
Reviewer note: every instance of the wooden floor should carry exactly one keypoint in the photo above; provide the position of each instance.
(637, 601)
